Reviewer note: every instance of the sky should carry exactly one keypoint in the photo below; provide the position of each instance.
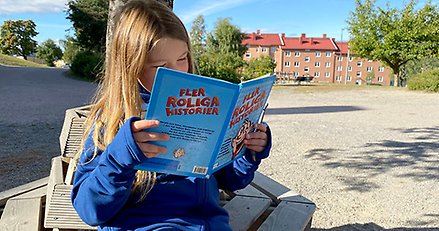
(292, 17)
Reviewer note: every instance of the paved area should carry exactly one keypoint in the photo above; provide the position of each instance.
(32, 106)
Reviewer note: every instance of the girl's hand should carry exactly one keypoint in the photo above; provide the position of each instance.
(257, 140)
(142, 137)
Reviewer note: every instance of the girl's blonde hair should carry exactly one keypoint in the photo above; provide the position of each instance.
(139, 26)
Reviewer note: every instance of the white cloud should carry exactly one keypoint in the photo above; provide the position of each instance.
(208, 7)
(31, 6)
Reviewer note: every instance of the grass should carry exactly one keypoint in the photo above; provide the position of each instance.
(13, 61)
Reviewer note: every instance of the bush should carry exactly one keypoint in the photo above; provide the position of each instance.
(87, 64)
(425, 81)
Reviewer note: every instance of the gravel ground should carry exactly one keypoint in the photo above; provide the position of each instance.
(367, 157)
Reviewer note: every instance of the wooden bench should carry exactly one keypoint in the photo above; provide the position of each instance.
(263, 205)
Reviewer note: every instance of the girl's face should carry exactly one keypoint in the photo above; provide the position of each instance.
(168, 52)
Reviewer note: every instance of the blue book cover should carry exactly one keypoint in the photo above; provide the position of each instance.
(205, 119)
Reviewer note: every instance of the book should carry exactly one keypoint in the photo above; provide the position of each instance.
(206, 119)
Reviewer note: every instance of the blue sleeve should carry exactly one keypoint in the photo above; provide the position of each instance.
(240, 173)
(102, 184)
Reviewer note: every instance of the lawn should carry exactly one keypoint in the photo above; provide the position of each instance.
(13, 61)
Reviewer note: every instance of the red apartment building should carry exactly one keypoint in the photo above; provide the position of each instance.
(322, 58)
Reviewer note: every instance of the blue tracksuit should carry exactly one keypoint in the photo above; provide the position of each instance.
(102, 193)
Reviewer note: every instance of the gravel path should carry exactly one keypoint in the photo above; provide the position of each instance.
(369, 158)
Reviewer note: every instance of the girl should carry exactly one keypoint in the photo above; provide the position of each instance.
(107, 191)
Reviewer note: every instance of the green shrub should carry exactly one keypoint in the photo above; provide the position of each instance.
(87, 64)
(425, 81)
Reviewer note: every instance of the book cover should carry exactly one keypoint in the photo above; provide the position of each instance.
(202, 116)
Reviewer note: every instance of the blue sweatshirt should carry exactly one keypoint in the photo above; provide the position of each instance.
(102, 193)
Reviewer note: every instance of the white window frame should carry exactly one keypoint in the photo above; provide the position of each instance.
(381, 69)
(351, 58)
(287, 53)
(318, 53)
(296, 63)
(349, 78)
(257, 50)
(316, 74)
(327, 74)
(338, 78)
(307, 59)
(349, 68)
(296, 74)
(339, 58)
(317, 64)
(296, 53)
(359, 74)
(339, 68)
(380, 79)
(328, 54)
(359, 63)
(264, 50)
(306, 69)
(328, 64)
(369, 69)
(287, 64)
(248, 55)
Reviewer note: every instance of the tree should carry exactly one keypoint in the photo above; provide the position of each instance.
(71, 48)
(223, 56)
(198, 36)
(49, 52)
(89, 18)
(226, 38)
(16, 37)
(258, 67)
(394, 36)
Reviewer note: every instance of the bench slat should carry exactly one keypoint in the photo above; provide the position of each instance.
(244, 211)
(288, 216)
(24, 212)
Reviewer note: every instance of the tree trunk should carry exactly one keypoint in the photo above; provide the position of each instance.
(113, 6)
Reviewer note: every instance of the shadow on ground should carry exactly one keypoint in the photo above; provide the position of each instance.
(311, 110)
(419, 157)
(372, 227)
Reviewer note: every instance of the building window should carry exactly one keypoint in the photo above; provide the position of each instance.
(351, 58)
(257, 50)
(340, 58)
(358, 73)
(296, 63)
(381, 69)
(248, 55)
(296, 74)
(273, 49)
(339, 68)
(264, 50)
(288, 53)
(369, 61)
(328, 54)
(316, 74)
(349, 78)
(306, 58)
(287, 63)
(297, 53)
(349, 68)
(306, 69)
(317, 64)
(318, 54)
(338, 78)
(369, 69)
(380, 79)
(359, 63)
(327, 74)
(327, 64)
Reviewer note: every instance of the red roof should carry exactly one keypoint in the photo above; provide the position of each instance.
(343, 46)
(262, 39)
(302, 43)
